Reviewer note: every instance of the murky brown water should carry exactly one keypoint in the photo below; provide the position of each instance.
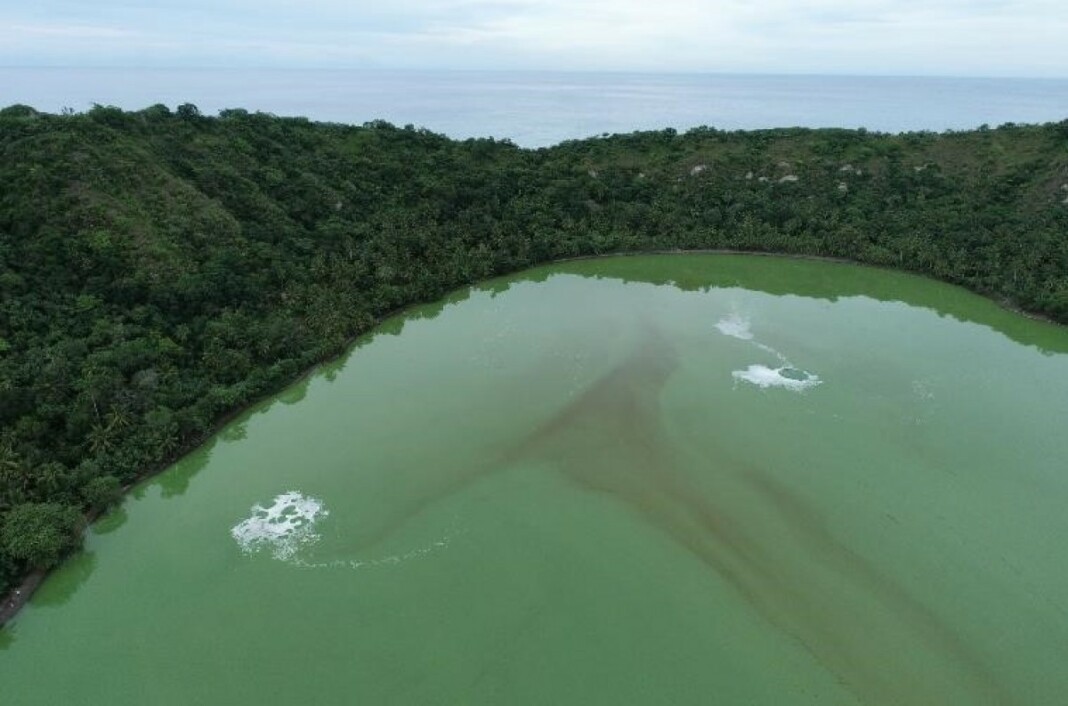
(641, 480)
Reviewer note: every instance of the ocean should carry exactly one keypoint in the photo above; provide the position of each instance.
(536, 109)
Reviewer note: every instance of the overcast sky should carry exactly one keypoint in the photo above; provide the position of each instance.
(912, 37)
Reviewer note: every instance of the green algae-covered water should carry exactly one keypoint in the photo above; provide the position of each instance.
(672, 479)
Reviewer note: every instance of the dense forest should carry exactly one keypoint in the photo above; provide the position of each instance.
(161, 268)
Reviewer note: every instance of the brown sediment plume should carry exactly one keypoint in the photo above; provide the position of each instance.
(751, 530)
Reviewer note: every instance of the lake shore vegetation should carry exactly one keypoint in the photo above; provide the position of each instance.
(160, 269)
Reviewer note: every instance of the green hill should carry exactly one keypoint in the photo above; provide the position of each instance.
(160, 269)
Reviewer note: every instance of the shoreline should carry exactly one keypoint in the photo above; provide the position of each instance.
(13, 602)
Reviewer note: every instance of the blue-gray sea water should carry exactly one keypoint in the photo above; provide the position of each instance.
(535, 109)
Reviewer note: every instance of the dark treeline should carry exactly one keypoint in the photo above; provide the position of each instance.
(159, 269)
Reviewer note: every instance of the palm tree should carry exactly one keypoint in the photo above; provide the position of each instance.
(99, 439)
(117, 419)
(14, 481)
(50, 478)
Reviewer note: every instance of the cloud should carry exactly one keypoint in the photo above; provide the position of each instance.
(989, 37)
(979, 37)
(67, 31)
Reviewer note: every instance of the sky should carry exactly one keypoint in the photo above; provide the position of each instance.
(882, 37)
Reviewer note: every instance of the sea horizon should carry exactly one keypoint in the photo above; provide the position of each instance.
(468, 70)
(541, 108)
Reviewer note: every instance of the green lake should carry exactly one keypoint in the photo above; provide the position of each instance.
(692, 479)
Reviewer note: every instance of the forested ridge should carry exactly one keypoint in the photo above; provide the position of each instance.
(160, 269)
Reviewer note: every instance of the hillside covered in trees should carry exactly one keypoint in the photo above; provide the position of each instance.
(160, 269)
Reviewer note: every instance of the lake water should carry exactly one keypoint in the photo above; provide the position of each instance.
(536, 109)
(662, 479)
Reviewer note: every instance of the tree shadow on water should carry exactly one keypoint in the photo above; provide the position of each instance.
(111, 521)
(830, 281)
(64, 581)
(175, 480)
(299, 390)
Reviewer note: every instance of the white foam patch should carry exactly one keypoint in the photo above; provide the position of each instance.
(440, 544)
(393, 559)
(922, 390)
(281, 528)
(786, 377)
(735, 326)
(777, 354)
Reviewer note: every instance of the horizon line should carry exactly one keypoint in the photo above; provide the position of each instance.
(568, 72)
